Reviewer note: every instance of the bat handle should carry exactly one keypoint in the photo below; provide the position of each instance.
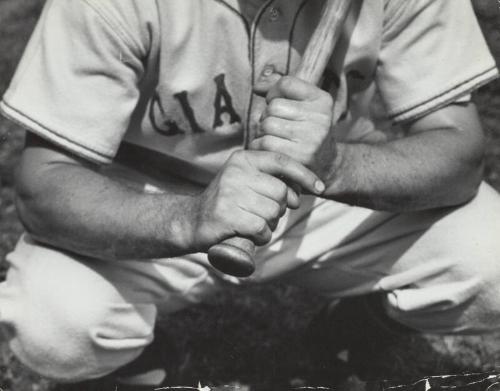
(233, 256)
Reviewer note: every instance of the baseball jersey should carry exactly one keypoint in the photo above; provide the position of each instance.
(175, 77)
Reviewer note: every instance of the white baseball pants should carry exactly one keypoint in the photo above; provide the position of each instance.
(74, 318)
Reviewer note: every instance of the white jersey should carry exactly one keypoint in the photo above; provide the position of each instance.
(176, 76)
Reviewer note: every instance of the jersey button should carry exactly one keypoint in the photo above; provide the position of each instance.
(274, 14)
(268, 70)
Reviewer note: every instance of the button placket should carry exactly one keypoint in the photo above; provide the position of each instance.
(273, 30)
(270, 52)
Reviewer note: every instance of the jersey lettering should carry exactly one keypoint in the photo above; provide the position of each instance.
(182, 97)
(223, 103)
(166, 127)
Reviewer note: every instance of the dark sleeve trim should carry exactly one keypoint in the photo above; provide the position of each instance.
(445, 97)
(41, 130)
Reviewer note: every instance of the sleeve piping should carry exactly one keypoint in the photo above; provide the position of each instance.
(75, 146)
(447, 96)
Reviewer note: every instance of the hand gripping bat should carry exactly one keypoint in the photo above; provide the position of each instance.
(234, 256)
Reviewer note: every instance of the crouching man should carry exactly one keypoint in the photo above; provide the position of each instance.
(137, 114)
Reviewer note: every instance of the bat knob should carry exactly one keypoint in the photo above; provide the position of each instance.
(233, 256)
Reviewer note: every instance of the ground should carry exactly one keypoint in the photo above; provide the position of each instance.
(256, 336)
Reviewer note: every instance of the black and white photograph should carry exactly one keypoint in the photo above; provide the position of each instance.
(249, 195)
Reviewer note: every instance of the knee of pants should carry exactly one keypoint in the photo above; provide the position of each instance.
(463, 296)
(78, 343)
(66, 321)
(456, 278)
(81, 343)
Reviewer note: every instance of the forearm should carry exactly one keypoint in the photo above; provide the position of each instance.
(425, 170)
(67, 202)
(438, 163)
(82, 211)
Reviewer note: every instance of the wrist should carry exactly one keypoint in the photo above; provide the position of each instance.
(181, 221)
(335, 179)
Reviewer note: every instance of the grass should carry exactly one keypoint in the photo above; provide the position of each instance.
(255, 337)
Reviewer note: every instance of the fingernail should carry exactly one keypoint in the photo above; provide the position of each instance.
(319, 186)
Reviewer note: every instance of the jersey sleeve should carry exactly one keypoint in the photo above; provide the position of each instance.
(432, 53)
(77, 82)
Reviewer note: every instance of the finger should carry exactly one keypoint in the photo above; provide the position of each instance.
(302, 153)
(292, 138)
(263, 85)
(293, 88)
(288, 109)
(254, 228)
(293, 197)
(261, 206)
(262, 182)
(276, 144)
(293, 187)
(281, 165)
(277, 190)
(284, 128)
(313, 112)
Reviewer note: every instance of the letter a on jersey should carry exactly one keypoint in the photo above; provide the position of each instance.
(223, 104)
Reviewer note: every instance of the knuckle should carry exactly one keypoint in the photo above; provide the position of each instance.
(325, 121)
(219, 210)
(283, 209)
(281, 159)
(267, 143)
(255, 143)
(279, 192)
(265, 235)
(274, 107)
(309, 149)
(260, 227)
(222, 197)
(327, 100)
(282, 192)
(275, 211)
(269, 124)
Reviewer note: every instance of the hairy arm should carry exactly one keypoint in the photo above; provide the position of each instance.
(438, 163)
(66, 202)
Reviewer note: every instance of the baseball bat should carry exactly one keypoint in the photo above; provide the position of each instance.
(234, 256)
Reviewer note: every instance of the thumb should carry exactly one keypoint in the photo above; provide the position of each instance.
(264, 84)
